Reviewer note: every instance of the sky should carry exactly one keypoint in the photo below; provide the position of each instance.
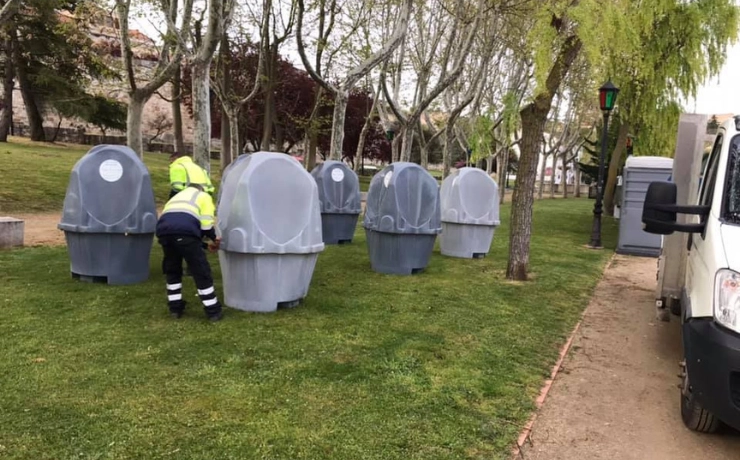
(721, 94)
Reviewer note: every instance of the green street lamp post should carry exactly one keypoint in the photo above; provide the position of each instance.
(607, 99)
(389, 134)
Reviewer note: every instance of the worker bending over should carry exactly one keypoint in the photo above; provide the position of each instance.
(187, 218)
(184, 172)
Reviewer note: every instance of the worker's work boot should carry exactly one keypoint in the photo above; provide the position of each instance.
(213, 313)
(177, 309)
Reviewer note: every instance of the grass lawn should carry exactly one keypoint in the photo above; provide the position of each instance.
(36, 175)
(444, 364)
(365, 182)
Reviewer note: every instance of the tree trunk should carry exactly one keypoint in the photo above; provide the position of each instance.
(407, 143)
(265, 143)
(489, 165)
(564, 179)
(35, 120)
(232, 113)
(177, 111)
(359, 154)
(577, 182)
(552, 177)
(424, 157)
(423, 146)
(6, 107)
(226, 155)
(268, 84)
(396, 149)
(313, 142)
(503, 178)
(447, 152)
(56, 130)
(543, 168)
(311, 132)
(279, 133)
(134, 138)
(534, 119)
(614, 164)
(341, 98)
(201, 115)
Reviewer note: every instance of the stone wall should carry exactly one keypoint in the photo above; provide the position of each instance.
(155, 107)
(158, 106)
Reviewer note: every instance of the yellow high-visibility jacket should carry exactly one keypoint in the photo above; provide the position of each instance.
(193, 202)
(184, 172)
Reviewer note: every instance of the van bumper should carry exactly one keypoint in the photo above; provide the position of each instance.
(713, 362)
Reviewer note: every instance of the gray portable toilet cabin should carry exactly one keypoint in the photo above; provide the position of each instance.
(228, 169)
(109, 216)
(638, 173)
(402, 219)
(469, 202)
(339, 196)
(270, 227)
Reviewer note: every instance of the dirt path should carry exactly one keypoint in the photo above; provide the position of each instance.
(616, 396)
(41, 229)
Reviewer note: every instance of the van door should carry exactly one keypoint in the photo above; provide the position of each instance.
(702, 260)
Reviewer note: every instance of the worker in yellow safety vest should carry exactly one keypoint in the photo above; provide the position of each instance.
(187, 218)
(183, 172)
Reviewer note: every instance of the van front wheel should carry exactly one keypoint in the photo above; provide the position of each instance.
(694, 416)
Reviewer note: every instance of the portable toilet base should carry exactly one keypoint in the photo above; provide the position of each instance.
(402, 254)
(466, 241)
(266, 281)
(338, 228)
(109, 258)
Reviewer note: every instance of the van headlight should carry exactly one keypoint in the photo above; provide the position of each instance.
(727, 299)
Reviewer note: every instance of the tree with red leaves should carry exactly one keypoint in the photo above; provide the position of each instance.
(359, 104)
(294, 94)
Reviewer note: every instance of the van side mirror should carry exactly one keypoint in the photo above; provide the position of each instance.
(660, 210)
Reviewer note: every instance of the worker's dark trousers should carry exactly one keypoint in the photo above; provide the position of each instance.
(177, 248)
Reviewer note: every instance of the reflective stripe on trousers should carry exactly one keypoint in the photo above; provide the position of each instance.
(174, 294)
(208, 296)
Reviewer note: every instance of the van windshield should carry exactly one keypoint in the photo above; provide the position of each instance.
(733, 183)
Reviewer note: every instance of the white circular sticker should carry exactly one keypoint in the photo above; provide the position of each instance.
(111, 170)
(337, 175)
(387, 179)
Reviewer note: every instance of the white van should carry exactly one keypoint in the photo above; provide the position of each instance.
(710, 301)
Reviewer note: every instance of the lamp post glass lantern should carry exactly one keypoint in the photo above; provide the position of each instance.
(607, 100)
